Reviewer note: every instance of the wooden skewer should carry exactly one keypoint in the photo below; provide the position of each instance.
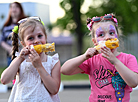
(110, 72)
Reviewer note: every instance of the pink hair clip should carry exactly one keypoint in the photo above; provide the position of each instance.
(89, 26)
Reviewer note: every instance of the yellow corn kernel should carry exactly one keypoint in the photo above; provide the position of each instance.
(101, 44)
(112, 44)
(49, 47)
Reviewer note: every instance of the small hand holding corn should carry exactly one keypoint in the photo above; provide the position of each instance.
(112, 44)
(49, 47)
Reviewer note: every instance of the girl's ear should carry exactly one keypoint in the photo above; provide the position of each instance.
(23, 44)
(94, 41)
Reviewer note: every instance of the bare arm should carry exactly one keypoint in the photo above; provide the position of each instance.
(51, 82)
(10, 72)
(130, 77)
(70, 67)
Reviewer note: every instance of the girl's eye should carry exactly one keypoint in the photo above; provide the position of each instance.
(100, 35)
(30, 38)
(112, 33)
(40, 35)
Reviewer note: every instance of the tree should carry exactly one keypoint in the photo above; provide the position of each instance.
(72, 20)
(75, 21)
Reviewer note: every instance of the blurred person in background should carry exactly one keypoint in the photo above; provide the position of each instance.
(15, 14)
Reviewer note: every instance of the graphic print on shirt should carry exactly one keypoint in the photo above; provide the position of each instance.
(103, 77)
(119, 85)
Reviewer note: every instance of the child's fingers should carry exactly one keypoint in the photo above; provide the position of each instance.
(24, 51)
(91, 52)
(33, 53)
(105, 50)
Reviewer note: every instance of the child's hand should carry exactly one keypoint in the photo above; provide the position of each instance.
(90, 53)
(106, 52)
(35, 58)
(24, 52)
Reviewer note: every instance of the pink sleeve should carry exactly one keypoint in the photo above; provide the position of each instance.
(132, 63)
(85, 67)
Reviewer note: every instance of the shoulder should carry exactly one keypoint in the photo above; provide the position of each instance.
(127, 58)
(125, 55)
(53, 59)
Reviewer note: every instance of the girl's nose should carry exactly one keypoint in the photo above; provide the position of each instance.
(37, 41)
(108, 37)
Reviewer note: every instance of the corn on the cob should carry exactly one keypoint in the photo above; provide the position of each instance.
(112, 44)
(49, 47)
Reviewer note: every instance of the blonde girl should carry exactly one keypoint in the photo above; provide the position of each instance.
(37, 75)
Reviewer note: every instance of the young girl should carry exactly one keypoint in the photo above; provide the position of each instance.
(112, 74)
(37, 75)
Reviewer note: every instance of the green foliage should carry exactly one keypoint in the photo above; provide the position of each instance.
(75, 21)
(126, 13)
(125, 10)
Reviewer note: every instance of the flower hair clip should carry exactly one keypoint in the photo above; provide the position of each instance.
(89, 26)
(15, 30)
(98, 19)
(115, 20)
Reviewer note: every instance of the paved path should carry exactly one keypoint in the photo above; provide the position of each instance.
(73, 94)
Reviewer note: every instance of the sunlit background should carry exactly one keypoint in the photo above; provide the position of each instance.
(53, 5)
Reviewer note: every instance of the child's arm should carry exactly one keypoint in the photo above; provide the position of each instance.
(130, 77)
(70, 67)
(51, 82)
(10, 72)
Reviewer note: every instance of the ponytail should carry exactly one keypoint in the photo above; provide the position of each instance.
(14, 44)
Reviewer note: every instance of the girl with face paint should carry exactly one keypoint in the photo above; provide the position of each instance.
(112, 74)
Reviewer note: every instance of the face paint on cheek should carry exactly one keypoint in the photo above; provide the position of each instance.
(98, 40)
(99, 31)
(112, 28)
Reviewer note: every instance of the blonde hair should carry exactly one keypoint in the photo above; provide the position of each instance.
(21, 29)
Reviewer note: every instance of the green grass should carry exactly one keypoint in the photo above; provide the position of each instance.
(1, 70)
(65, 77)
(74, 77)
